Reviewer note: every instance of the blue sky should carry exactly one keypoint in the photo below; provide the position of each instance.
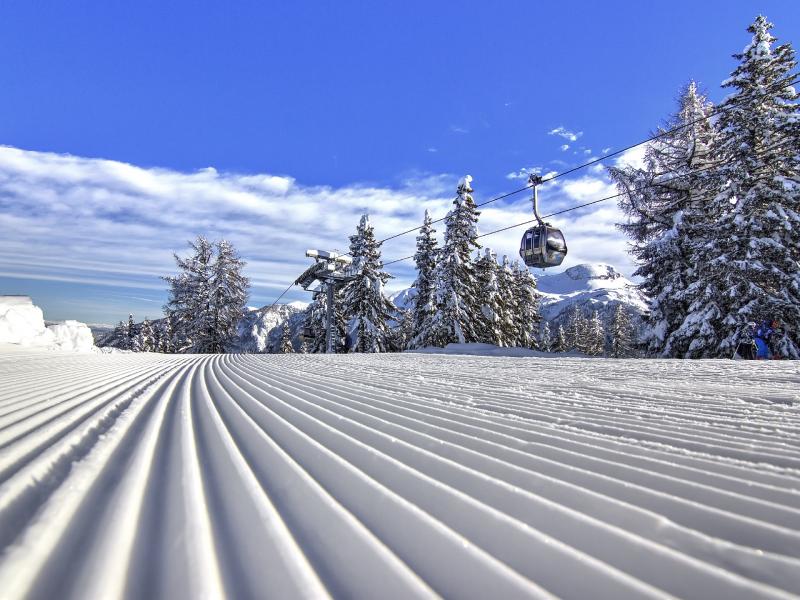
(276, 124)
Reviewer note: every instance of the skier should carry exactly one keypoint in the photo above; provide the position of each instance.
(762, 338)
(747, 348)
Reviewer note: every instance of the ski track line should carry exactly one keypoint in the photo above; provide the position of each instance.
(578, 530)
(396, 476)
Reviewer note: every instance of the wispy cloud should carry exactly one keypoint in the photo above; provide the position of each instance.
(458, 129)
(564, 147)
(565, 133)
(102, 222)
(431, 149)
(524, 173)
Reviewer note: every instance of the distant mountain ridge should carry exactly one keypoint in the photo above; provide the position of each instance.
(589, 286)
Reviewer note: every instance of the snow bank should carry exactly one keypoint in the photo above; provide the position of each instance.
(73, 336)
(22, 324)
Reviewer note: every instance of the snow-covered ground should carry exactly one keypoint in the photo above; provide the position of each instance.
(412, 475)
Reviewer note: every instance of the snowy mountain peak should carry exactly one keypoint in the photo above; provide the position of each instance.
(593, 271)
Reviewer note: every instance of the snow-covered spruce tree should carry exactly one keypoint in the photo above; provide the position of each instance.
(576, 330)
(667, 203)
(526, 309)
(560, 344)
(286, 339)
(145, 337)
(489, 328)
(189, 303)
(424, 304)
(165, 345)
(595, 335)
(545, 338)
(754, 256)
(229, 291)
(130, 334)
(366, 307)
(457, 319)
(207, 297)
(621, 335)
(507, 309)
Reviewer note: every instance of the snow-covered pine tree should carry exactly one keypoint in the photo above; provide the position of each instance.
(526, 309)
(424, 304)
(229, 291)
(560, 344)
(144, 339)
(130, 334)
(545, 338)
(754, 256)
(366, 307)
(489, 328)
(595, 335)
(667, 204)
(456, 319)
(165, 342)
(621, 336)
(189, 303)
(576, 330)
(507, 308)
(286, 339)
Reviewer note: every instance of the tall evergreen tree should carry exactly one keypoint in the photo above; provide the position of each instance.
(489, 327)
(229, 291)
(456, 318)
(366, 307)
(130, 334)
(508, 306)
(526, 309)
(621, 338)
(166, 339)
(667, 203)
(189, 303)
(561, 340)
(753, 257)
(144, 338)
(424, 303)
(286, 346)
(546, 338)
(576, 331)
(207, 297)
(595, 335)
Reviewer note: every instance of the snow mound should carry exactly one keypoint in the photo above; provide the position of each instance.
(22, 324)
(72, 336)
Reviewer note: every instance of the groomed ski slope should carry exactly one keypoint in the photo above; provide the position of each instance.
(396, 476)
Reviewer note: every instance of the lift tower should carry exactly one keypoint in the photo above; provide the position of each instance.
(331, 270)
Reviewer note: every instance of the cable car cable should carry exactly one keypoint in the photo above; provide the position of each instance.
(599, 200)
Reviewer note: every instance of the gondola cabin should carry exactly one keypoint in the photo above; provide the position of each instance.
(543, 246)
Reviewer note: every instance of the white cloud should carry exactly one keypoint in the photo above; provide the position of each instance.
(457, 129)
(565, 133)
(93, 221)
(524, 172)
(102, 222)
(433, 149)
(564, 147)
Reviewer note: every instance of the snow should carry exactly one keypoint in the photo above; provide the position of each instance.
(589, 286)
(22, 324)
(397, 475)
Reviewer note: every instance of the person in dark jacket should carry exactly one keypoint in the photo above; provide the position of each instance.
(763, 337)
